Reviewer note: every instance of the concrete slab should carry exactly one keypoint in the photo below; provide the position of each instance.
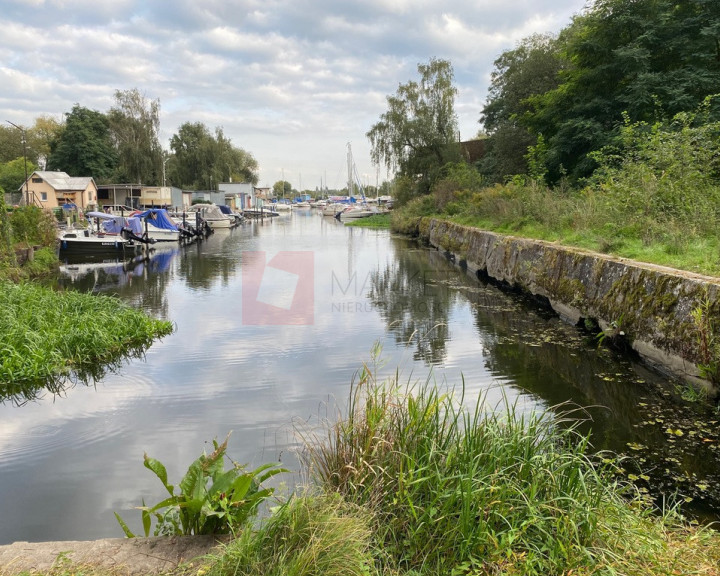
(122, 556)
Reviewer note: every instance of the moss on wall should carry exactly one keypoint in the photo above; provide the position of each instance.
(653, 304)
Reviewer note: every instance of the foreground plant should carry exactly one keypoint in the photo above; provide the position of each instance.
(487, 491)
(307, 536)
(211, 500)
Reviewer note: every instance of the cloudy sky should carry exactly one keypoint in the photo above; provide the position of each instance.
(290, 81)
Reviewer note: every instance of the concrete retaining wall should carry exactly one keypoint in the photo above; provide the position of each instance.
(651, 306)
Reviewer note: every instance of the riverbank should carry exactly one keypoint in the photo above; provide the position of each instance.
(493, 490)
(666, 315)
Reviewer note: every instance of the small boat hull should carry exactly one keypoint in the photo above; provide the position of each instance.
(78, 243)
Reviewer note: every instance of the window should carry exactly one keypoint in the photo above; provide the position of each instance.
(37, 180)
(43, 196)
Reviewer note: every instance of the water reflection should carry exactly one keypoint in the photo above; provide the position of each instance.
(67, 463)
(141, 281)
(627, 407)
(414, 302)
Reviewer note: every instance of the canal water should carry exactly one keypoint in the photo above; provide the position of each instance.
(273, 320)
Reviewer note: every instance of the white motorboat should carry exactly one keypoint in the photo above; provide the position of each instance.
(355, 212)
(282, 205)
(215, 218)
(157, 225)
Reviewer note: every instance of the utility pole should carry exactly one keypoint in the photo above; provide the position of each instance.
(24, 143)
(164, 162)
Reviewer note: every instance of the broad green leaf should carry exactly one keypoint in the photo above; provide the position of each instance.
(157, 467)
(223, 482)
(172, 501)
(240, 487)
(128, 532)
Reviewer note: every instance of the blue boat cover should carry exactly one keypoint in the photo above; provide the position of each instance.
(158, 217)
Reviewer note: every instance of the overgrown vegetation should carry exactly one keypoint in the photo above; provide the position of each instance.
(22, 230)
(308, 535)
(491, 490)
(47, 336)
(655, 199)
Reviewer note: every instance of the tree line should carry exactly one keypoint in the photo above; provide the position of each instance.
(122, 145)
(559, 106)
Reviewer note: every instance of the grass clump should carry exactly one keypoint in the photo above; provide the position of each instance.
(485, 491)
(45, 335)
(311, 535)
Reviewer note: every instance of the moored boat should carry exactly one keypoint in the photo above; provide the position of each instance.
(158, 225)
(214, 217)
(82, 242)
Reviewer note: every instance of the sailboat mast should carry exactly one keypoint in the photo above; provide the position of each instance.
(350, 178)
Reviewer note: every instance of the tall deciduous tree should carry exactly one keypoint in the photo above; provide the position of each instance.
(418, 133)
(41, 138)
(649, 58)
(12, 176)
(135, 126)
(85, 147)
(10, 143)
(282, 188)
(201, 160)
(530, 69)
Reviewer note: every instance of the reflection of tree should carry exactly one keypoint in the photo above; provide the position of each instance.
(202, 264)
(414, 301)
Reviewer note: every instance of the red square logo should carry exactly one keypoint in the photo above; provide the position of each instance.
(280, 291)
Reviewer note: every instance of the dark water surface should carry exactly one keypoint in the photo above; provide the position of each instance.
(249, 359)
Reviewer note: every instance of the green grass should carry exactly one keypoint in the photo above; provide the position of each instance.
(47, 335)
(310, 535)
(379, 221)
(491, 490)
(579, 219)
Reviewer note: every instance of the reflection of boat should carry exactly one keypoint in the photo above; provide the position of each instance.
(76, 271)
(114, 271)
(263, 212)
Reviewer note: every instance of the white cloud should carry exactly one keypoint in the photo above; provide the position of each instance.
(289, 81)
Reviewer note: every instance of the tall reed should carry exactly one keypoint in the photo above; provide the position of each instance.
(480, 491)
